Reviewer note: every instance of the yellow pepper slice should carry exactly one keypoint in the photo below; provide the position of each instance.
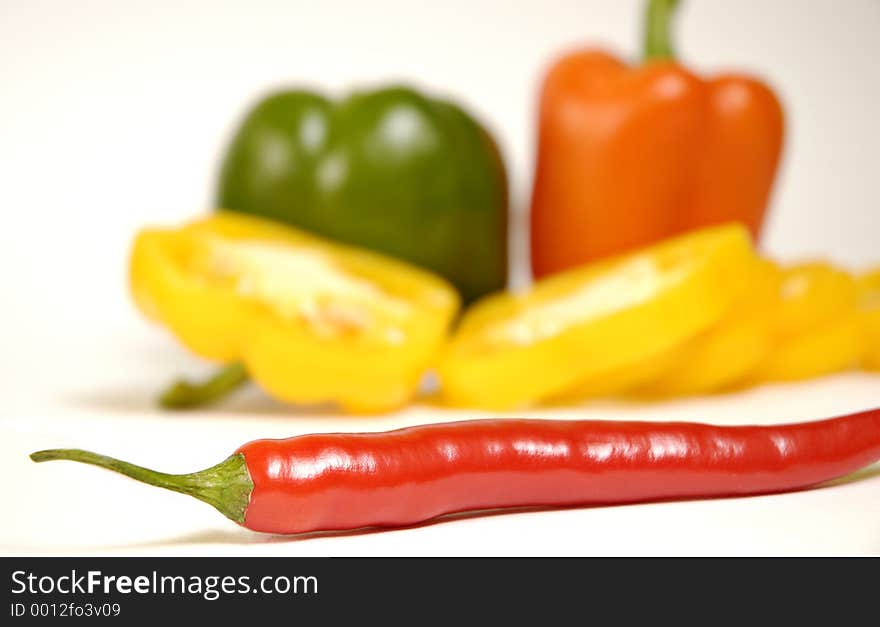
(620, 381)
(312, 321)
(816, 325)
(837, 345)
(869, 304)
(812, 294)
(726, 353)
(709, 361)
(514, 349)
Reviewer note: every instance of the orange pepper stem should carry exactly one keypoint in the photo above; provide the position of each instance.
(658, 17)
(186, 394)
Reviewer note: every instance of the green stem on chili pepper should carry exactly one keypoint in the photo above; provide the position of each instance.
(186, 394)
(658, 42)
(227, 486)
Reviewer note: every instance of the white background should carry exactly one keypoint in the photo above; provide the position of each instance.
(112, 114)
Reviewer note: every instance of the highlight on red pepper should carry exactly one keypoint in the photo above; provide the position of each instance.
(628, 156)
(342, 481)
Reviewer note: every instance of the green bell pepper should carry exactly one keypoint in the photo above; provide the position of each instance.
(391, 170)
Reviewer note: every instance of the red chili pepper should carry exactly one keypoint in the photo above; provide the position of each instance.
(351, 480)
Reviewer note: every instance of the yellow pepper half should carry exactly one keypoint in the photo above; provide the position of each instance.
(312, 321)
(515, 349)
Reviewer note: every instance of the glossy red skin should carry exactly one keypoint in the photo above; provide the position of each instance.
(346, 481)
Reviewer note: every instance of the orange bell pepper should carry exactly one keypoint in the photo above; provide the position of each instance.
(629, 156)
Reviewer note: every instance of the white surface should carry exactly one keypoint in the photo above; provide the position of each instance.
(106, 406)
(111, 116)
